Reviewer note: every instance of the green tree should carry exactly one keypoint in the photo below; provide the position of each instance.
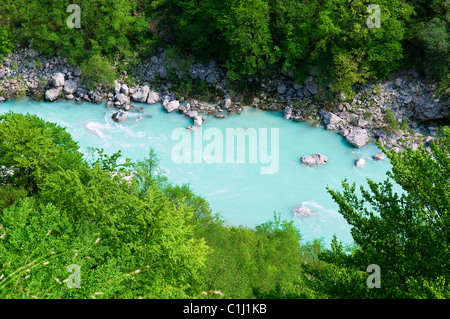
(406, 234)
(33, 148)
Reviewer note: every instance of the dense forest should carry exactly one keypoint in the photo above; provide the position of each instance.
(142, 237)
(344, 37)
(130, 233)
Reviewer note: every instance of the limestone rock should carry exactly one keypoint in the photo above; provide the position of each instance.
(358, 137)
(315, 159)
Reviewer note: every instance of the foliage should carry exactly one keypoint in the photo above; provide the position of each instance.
(406, 234)
(33, 148)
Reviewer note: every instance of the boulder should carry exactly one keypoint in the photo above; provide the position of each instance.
(287, 113)
(70, 86)
(281, 89)
(378, 157)
(315, 159)
(303, 211)
(226, 103)
(212, 78)
(141, 95)
(191, 114)
(117, 87)
(58, 79)
(198, 121)
(359, 162)
(53, 94)
(121, 98)
(120, 116)
(358, 137)
(171, 106)
(331, 118)
(153, 97)
(124, 89)
(312, 87)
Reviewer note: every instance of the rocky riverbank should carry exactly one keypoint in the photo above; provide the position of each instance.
(400, 113)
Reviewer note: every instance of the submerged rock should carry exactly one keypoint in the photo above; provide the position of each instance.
(120, 116)
(198, 120)
(287, 113)
(315, 159)
(359, 162)
(379, 157)
(303, 211)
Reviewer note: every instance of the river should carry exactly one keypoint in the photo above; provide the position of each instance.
(244, 192)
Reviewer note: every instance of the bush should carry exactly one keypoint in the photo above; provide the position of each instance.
(99, 70)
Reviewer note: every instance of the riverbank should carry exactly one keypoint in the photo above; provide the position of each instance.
(401, 112)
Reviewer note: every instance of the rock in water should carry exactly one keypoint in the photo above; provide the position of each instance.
(315, 159)
(358, 137)
(191, 114)
(379, 157)
(141, 95)
(120, 116)
(303, 211)
(360, 162)
(198, 120)
(171, 106)
(121, 98)
(287, 113)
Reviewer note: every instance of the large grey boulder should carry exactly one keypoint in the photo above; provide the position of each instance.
(117, 87)
(70, 86)
(226, 103)
(171, 106)
(58, 79)
(331, 118)
(125, 89)
(315, 159)
(312, 87)
(153, 97)
(198, 120)
(191, 114)
(121, 98)
(358, 137)
(141, 95)
(53, 94)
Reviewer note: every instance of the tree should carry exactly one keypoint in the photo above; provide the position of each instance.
(32, 148)
(406, 234)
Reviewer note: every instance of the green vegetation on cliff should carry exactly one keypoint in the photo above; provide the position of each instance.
(345, 39)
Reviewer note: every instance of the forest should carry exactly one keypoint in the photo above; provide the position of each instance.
(344, 37)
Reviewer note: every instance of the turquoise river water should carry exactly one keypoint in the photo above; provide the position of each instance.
(238, 190)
